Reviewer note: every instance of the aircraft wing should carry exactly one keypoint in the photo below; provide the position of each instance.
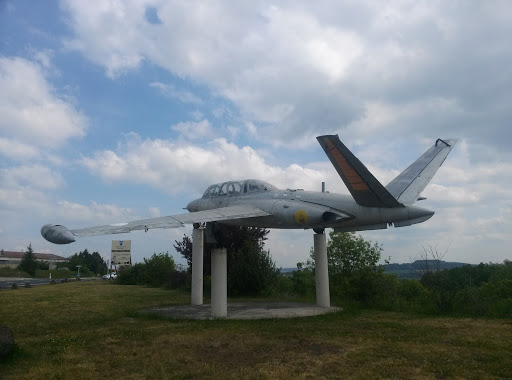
(408, 185)
(59, 234)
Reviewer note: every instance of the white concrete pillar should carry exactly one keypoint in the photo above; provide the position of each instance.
(196, 296)
(321, 271)
(219, 283)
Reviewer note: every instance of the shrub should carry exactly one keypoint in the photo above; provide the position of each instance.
(159, 269)
(303, 282)
(251, 271)
(134, 275)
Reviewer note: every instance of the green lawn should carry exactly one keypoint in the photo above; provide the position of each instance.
(92, 330)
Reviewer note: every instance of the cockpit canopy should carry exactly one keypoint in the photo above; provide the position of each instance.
(235, 188)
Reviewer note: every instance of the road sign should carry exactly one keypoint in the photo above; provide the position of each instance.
(121, 252)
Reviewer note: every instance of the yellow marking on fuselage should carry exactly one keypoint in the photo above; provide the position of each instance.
(301, 217)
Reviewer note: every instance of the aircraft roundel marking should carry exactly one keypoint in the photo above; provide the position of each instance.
(301, 217)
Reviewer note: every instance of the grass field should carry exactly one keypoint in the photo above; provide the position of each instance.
(92, 330)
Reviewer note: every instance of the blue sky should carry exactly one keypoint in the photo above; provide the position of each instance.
(111, 111)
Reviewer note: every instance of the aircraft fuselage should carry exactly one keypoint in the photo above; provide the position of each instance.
(299, 209)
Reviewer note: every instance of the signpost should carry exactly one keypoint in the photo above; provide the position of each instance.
(120, 255)
(121, 252)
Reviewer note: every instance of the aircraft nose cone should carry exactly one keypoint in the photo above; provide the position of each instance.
(416, 212)
(193, 206)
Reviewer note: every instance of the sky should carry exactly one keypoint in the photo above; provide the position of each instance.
(118, 110)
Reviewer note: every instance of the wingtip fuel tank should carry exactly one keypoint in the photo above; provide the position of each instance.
(57, 234)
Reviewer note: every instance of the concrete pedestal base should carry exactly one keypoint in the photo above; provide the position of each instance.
(321, 271)
(219, 283)
(196, 296)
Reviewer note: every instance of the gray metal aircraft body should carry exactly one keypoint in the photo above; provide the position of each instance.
(259, 204)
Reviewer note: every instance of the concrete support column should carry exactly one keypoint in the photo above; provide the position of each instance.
(196, 296)
(321, 271)
(219, 283)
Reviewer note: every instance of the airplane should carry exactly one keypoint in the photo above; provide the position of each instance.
(256, 203)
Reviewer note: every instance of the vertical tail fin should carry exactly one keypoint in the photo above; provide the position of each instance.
(364, 187)
(408, 185)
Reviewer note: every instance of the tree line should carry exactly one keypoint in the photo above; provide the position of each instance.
(91, 264)
(355, 277)
(251, 270)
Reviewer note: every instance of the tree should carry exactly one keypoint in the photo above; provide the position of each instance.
(89, 262)
(429, 259)
(184, 248)
(348, 253)
(159, 269)
(96, 264)
(250, 268)
(28, 261)
(353, 271)
(484, 289)
(234, 239)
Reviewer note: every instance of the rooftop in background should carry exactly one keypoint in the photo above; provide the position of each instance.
(39, 256)
(10, 259)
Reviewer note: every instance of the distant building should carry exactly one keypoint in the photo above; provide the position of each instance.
(9, 259)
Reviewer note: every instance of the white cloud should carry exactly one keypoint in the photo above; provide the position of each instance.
(171, 91)
(93, 213)
(34, 176)
(298, 70)
(195, 130)
(390, 79)
(175, 166)
(267, 60)
(18, 150)
(24, 189)
(31, 111)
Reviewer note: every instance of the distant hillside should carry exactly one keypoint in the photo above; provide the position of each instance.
(408, 270)
(288, 271)
(415, 269)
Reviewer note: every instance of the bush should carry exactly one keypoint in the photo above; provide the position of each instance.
(134, 275)
(482, 290)
(283, 285)
(303, 282)
(159, 269)
(251, 271)
(43, 265)
(180, 280)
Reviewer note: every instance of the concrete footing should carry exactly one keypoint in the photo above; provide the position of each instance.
(321, 271)
(219, 290)
(244, 310)
(219, 283)
(196, 296)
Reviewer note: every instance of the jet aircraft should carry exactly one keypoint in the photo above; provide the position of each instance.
(256, 203)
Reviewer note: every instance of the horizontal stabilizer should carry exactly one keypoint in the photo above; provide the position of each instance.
(408, 185)
(364, 187)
